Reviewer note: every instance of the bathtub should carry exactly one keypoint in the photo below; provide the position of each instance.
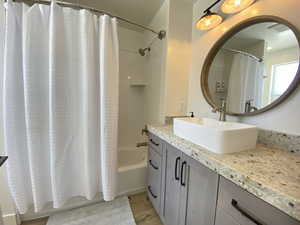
(132, 175)
(132, 170)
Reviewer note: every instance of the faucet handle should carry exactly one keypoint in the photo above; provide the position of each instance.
(145, 130)
(214, 110)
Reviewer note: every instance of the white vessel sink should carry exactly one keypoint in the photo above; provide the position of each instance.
(216, 136)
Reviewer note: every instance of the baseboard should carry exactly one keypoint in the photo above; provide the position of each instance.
(132, 191)
(10, 219)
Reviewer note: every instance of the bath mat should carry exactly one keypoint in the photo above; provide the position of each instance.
(117, 212)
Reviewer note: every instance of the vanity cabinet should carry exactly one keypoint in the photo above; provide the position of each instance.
(155, 172)
(238, 207)
(185, 192)
(172, 189)
(154, 178)
(190, 190)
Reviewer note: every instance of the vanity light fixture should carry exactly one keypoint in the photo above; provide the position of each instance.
(209, 20)
(234, 6)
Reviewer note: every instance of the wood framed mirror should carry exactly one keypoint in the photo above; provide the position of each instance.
(254, 66)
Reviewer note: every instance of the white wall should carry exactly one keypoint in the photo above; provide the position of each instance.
(155, 67)
(285, 117)
(178, 57)
(132, 98)
(168, 63)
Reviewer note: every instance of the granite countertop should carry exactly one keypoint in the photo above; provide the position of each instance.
(270, 174)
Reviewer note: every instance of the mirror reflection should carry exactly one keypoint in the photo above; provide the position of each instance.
(254, 67)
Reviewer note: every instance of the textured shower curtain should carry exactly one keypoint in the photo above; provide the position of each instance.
(60, 104)
(245, 83)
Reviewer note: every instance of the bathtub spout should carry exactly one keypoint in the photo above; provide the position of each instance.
(141, 144)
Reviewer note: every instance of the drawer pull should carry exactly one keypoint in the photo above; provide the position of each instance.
(150, 191)
(153, 166)
(182, 180)
(235, 205)
(153, 142)
(176, 167)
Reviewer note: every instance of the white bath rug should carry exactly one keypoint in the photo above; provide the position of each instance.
(117, 212)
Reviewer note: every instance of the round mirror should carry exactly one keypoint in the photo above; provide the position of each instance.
(254, 67)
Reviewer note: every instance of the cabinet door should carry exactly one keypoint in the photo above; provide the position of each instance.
(172, 186)
(198, 193)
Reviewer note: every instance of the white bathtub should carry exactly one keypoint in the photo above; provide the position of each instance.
(132, 170)
(132, 173)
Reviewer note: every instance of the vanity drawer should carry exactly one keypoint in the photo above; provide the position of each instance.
(155, 143)
(237, 206)
(154, 161)
(154, 178)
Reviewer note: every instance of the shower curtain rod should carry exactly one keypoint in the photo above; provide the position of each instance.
(79, 6)
(243, 53)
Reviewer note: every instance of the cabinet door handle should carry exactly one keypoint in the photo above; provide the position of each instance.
(150, 191)
(153, 166)
(153, 142)
(235, 205)
(182, 179)
(176, 167)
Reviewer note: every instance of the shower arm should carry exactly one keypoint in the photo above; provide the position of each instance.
(161, 35)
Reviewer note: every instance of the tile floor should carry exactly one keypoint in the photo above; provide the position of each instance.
(143, 212)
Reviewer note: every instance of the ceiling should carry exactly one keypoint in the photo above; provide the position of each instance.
(139, 11)
(276, 36)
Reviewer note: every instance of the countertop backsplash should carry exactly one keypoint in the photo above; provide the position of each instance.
(274, 139)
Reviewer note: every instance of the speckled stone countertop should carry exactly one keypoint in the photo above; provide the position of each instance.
(270, 174)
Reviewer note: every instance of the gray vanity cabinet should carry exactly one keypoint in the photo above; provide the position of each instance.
(172, 186)
(186, 192)
(199, 193)
(238, 207)
(154, 178)
(156, 168)
(190, 191)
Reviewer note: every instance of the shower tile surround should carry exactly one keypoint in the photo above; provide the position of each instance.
(270, 174)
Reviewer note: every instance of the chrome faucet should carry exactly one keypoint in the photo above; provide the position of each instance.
(222, 110)
(141, 144)
(249, 107)
(145, 130)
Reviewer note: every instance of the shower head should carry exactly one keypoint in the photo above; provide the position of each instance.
(142, 51)
(161, 35)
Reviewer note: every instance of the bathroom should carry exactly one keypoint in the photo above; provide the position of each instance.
(170, 65)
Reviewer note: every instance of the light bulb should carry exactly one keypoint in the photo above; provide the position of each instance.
(234, 6)
(209, 21)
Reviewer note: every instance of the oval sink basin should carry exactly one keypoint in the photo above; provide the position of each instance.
(216, 136)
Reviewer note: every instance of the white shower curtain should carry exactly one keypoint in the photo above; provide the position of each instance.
(245, 83)
(60, 104)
